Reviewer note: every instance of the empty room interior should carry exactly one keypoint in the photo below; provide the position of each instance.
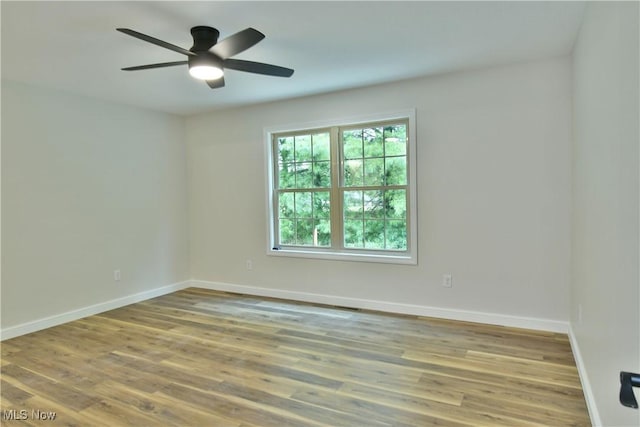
(255, 214)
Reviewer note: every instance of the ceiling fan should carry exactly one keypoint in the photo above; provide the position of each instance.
(208, 58)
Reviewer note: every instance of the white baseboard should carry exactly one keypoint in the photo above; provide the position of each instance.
(390, 307)
(411, 309)
(47, 322)
(584, 380)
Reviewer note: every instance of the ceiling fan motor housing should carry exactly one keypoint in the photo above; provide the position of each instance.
(203, 38)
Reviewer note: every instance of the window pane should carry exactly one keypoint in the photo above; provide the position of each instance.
(374, 172)
(304, 175)
(372, 179)
(396, 170)
(285, 149)
(396, 234)
(286, 207)
(352, 144)
(374, 204)
(287, 232)
(353, 234)
(304, 231)
(322, 174)
(353, 207)
(303, 205)
(353, 173)
(321, 205)
(321, 144)
(307, 221)
(374, 234)
(395, 204)
(395, 140)
(303, 148)
(373, 142)
(286, 175)
(323, 233)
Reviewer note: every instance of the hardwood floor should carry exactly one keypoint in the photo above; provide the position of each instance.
(205, 358)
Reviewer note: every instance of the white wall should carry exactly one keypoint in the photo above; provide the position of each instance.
(87, 187)
(605, 218)
(493, 190)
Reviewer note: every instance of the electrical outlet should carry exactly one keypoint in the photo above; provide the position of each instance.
(116, 275)
(249, 264)
(446, 280)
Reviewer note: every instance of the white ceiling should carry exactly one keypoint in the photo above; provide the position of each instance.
(73, 46)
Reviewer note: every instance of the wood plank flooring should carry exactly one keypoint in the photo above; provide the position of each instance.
(205, 358)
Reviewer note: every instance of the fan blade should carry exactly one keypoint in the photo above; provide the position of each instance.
(155, 41)
(160, 65)
(214, 84)
(257, 67)
(237, 43)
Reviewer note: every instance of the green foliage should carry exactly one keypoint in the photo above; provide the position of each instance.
(373, 142)
(321, 146)
(352, 144)
(375, 156)
(304, 218)
(353, 234)
(395, 170)
(353, 173)
(374, 172)
(304, 161)
(322, 174)
(375, 219)
(302, 148)
(395, 140)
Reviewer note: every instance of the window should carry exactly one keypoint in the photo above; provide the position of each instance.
(344, 191)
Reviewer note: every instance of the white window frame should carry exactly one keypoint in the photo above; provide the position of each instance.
(410, 256)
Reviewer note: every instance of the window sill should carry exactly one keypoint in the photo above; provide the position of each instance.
(385, 258)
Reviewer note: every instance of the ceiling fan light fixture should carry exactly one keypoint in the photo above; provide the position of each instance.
(206, 72)
(205, 66)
